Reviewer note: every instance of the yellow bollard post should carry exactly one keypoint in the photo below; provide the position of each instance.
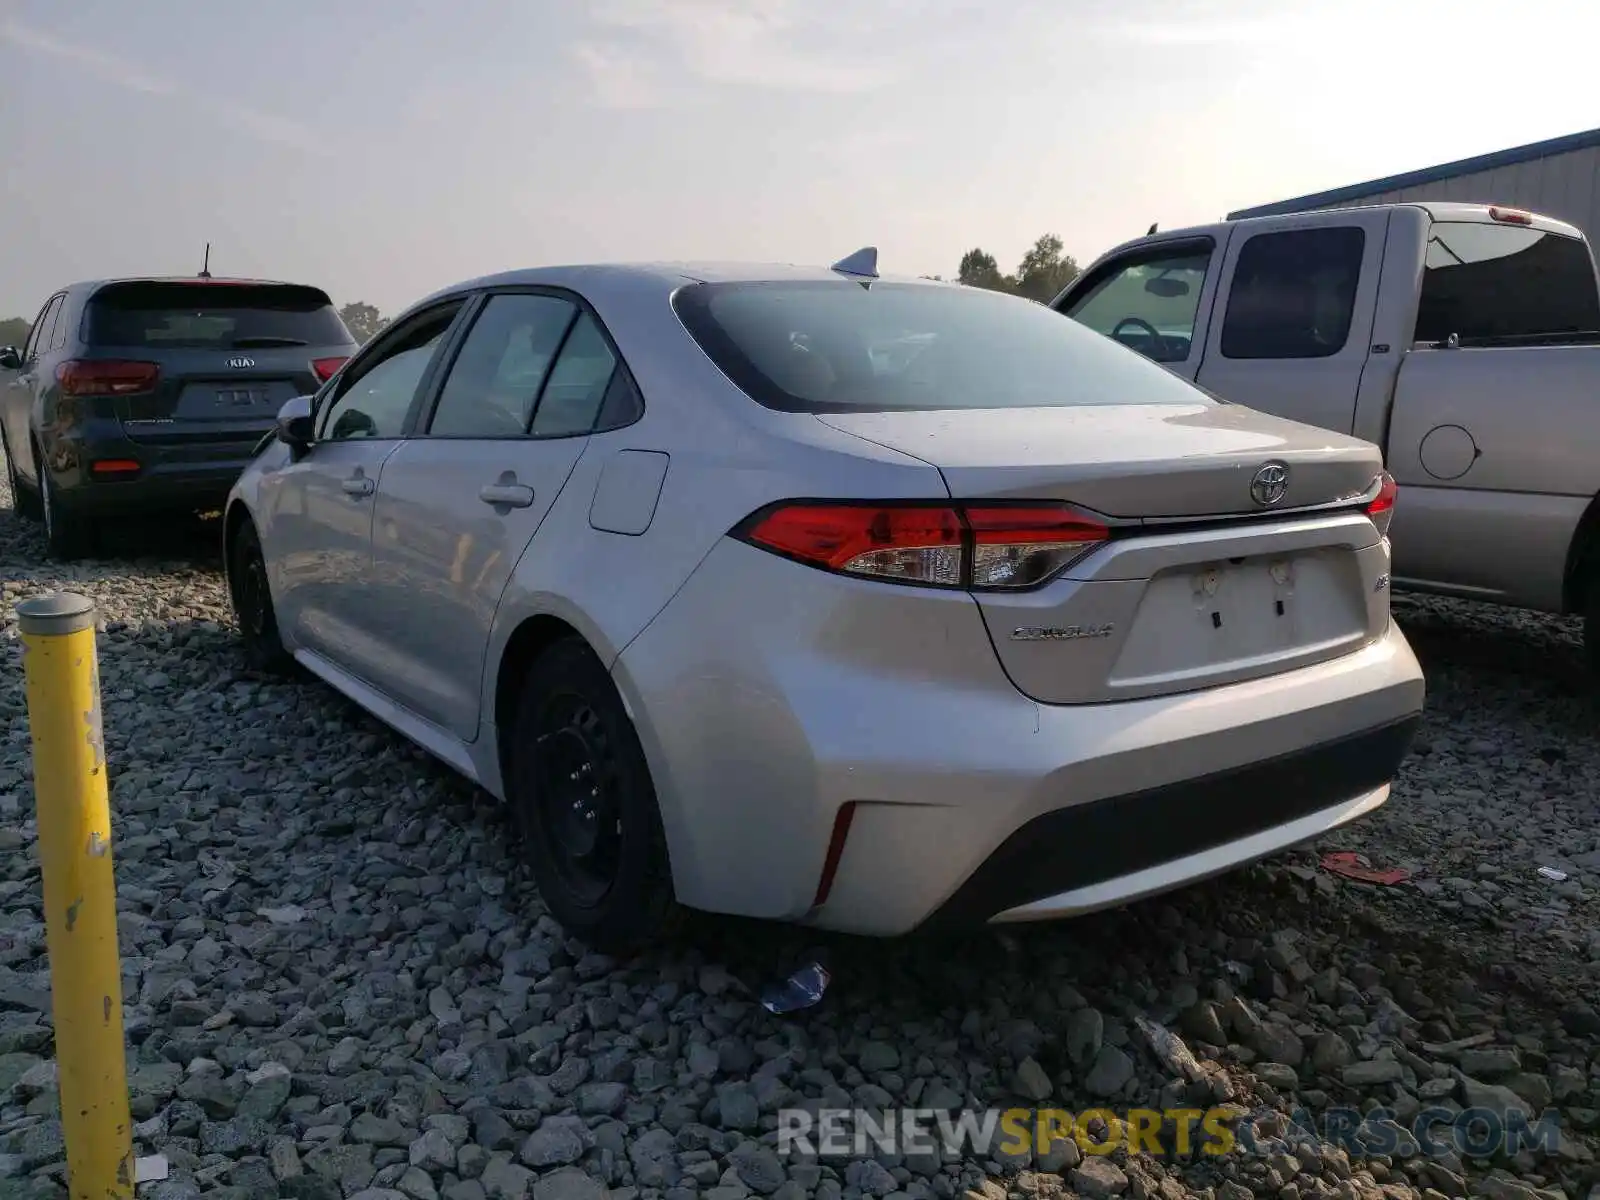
(80, 902)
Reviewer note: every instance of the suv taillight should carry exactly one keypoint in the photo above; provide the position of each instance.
(984, 547)
(105, 377)
(1381, 507)
(327, 367)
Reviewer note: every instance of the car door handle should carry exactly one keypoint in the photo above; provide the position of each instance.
(358, 485)
(512, 495)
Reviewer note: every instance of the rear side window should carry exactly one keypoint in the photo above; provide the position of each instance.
(58, 336)
(577, 385)
(839, 347)
(1495, 283)
(213, 316)
(1293, 294)
(44, 329)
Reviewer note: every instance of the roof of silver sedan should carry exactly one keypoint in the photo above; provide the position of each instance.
(856, 268)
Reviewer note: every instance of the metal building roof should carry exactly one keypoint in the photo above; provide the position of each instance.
(1450, 170)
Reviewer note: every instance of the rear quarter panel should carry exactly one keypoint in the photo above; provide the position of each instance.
(609, 586)
(726, 457)
(1494, 453)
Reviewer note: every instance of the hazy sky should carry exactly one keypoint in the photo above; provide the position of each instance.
(382, 148)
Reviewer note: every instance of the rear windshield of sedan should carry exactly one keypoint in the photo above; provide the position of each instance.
(233, 316)
(840, 347)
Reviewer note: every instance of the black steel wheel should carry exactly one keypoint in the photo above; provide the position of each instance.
(581, 795)
(577, 793)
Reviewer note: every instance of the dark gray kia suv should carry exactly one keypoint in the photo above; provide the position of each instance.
(134, 397)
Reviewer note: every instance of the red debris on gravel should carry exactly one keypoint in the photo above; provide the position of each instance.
(1348, 864)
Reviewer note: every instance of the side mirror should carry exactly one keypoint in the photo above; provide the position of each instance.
(294, 427)
(10, 359)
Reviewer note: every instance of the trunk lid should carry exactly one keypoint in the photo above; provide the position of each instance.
(1127, 461)
(1186, 595)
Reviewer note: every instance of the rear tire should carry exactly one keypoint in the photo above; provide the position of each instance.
(1591, 625)
(581, 797)
(24, 500)
(68, 535)
(251, 596)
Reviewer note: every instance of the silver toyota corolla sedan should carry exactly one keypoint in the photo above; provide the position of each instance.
(813, 595)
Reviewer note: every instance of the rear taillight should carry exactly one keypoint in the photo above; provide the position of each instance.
(94, 377)
(982, 546)
(1381, 507)
(327, 367)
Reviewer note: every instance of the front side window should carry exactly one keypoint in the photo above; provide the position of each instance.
(1149, 304)
(375, 402)
(1495, 283)
(495, 380)
(840, 347)
(1293, 294)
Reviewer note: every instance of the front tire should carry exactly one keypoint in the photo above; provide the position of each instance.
(252, 604)
(581, 796)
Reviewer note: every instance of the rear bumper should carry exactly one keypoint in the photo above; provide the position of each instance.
(769, 698)
(1125, 801)
(170, 476)
(1085, 857)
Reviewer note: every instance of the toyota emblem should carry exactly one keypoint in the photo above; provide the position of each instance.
(241, 364)
(1269, 484)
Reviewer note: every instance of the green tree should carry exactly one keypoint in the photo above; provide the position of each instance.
(1042, 273)
(14, 331)
(1044, 270)
(979, 269)
(362, 320)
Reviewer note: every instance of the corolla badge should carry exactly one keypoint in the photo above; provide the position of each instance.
(1060, 633)
(1269, 484)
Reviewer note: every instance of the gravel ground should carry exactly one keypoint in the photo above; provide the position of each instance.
(338, 984)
